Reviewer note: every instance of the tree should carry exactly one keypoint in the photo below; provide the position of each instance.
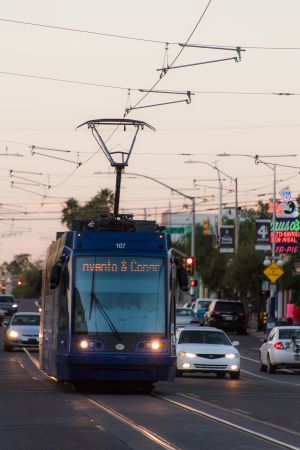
(21, 268)
(101, 203)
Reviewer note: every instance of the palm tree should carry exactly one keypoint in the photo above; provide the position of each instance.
(101, 203)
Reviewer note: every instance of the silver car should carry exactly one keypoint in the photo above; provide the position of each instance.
(185, 316)
(22, 331)
(281, 349)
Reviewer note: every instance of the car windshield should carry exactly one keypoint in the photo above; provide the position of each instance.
(26, 319)
(203, 337)
(289, 333)
(7, 299)
(203, 304)
(184, 312)
(229, 307)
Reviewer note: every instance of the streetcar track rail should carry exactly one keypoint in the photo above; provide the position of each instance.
(233, 425)
(139, 428)
(241, 413)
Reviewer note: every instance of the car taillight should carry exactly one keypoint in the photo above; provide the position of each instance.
(242, 314)
(216, 313)
(279, 345)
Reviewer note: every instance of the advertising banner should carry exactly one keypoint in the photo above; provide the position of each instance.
(263, 232)
(227, 239)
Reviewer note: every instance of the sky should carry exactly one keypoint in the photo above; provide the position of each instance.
(66, 62)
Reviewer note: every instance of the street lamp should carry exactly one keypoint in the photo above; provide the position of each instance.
(172, 189)
(236, 216)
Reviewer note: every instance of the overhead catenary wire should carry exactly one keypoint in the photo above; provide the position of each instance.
(175, 59)
(141, 39)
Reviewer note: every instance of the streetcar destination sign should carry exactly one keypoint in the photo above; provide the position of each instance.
(125, 265)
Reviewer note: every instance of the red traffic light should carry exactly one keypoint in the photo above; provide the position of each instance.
(193, 282)
(189, 263)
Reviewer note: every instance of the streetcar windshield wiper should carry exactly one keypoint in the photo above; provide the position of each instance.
(95, 301)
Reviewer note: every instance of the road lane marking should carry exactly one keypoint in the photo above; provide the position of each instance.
(250, 359)
(269, 378)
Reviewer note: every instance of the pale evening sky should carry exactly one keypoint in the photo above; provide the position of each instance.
(102, 49)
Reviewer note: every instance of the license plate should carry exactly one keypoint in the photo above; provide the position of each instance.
(228, 317)
(297, 357)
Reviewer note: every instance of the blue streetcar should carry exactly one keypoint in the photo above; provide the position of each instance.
(108, 303)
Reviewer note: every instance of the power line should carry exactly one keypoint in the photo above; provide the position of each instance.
(135, 38)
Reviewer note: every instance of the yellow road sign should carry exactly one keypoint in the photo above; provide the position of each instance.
(273, 272)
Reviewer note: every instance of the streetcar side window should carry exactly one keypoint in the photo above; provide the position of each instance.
(63, 304)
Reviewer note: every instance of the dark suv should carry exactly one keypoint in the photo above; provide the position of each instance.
(227, 315)
(8, 304)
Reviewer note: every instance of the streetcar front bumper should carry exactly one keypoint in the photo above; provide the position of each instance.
(111, 366)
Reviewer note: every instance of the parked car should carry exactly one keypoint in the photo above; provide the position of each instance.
(206, 350)
(227, 315)
(8, 304)
(22, 331)
(200, 308)
(185, 316)
(281, 349)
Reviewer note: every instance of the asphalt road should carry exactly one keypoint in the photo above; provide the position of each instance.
(259, 411)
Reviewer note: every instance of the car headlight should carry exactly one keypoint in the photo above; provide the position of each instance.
(187, 355)
(13, 333)
(15, 305)
(232, 355)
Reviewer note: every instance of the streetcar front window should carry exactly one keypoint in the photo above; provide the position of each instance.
(119, 294)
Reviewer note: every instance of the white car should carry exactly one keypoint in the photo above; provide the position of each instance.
(22, 331)
(206, 350)
(281, 349)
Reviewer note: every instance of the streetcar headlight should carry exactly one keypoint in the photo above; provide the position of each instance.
(83, 344)
(231, 355)
(13, 334)
(154, 345)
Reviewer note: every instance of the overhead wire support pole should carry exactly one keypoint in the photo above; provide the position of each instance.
(236, 218)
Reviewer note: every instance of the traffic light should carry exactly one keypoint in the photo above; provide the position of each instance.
(193, 282)
(206, 226)
(189, 263)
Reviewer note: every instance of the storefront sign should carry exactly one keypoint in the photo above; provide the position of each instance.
(287, 235)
